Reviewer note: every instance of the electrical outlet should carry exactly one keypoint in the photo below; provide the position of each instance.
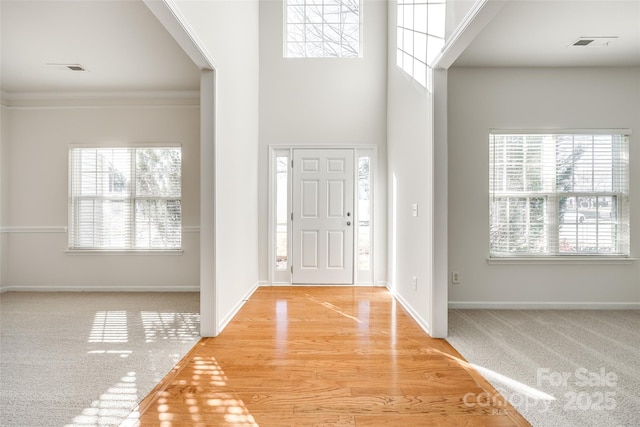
(455, 277)
(414, 280)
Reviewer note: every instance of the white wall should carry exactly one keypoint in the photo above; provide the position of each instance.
(410, 181)
(323, 101)
(533, 98)
(4, 170)
(35, 195)
(228, 31)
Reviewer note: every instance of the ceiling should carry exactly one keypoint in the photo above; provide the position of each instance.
(124, 48)
(121, 44)
(538, 33)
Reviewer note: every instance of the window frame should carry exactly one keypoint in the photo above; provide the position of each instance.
(285, 31)
(411, 55)
(365, 275)
(73, 248)
(552, 196)
(279, 267)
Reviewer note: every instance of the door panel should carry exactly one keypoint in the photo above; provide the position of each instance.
(310, 165)
(309, 248)
(323, 223)
(335, 199)
(309, 199)
(336, 255)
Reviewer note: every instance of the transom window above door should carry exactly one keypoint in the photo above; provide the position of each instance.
(322, 28)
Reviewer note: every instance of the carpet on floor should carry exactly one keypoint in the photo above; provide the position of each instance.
(557, 368)
(87, 359)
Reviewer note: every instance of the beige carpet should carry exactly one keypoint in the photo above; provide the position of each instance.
(558, 368)
(87, 359)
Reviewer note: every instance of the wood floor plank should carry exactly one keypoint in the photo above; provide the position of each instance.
(324, 356)
(435, 421)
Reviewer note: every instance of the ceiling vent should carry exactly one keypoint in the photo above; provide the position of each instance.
(67, 67)
(593, 41)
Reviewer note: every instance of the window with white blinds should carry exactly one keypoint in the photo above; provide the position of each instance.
(556, 194)
(125, 198)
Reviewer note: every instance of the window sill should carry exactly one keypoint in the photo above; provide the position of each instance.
(564, 259)
(145, 252)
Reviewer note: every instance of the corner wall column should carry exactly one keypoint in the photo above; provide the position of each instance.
(208, 307)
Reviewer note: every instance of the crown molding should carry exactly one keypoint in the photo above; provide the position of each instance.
(100, 99)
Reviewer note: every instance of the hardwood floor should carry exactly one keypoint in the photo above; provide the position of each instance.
(324, 356)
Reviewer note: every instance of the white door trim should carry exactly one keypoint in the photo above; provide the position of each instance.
(283, 277)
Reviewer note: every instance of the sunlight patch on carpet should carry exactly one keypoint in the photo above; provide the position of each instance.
(112, 407)
(109, 327)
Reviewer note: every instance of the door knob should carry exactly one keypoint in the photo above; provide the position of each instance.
(348, 222)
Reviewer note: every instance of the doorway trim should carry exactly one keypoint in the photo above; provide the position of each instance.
(282, 276)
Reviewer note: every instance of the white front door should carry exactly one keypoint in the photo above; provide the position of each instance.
(323, 217)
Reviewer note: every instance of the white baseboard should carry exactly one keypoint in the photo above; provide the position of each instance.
(266, 283)
(363, 284)
(518, 305)
(412, 313)
(372, 284)
(100, 288)
(225, 321)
